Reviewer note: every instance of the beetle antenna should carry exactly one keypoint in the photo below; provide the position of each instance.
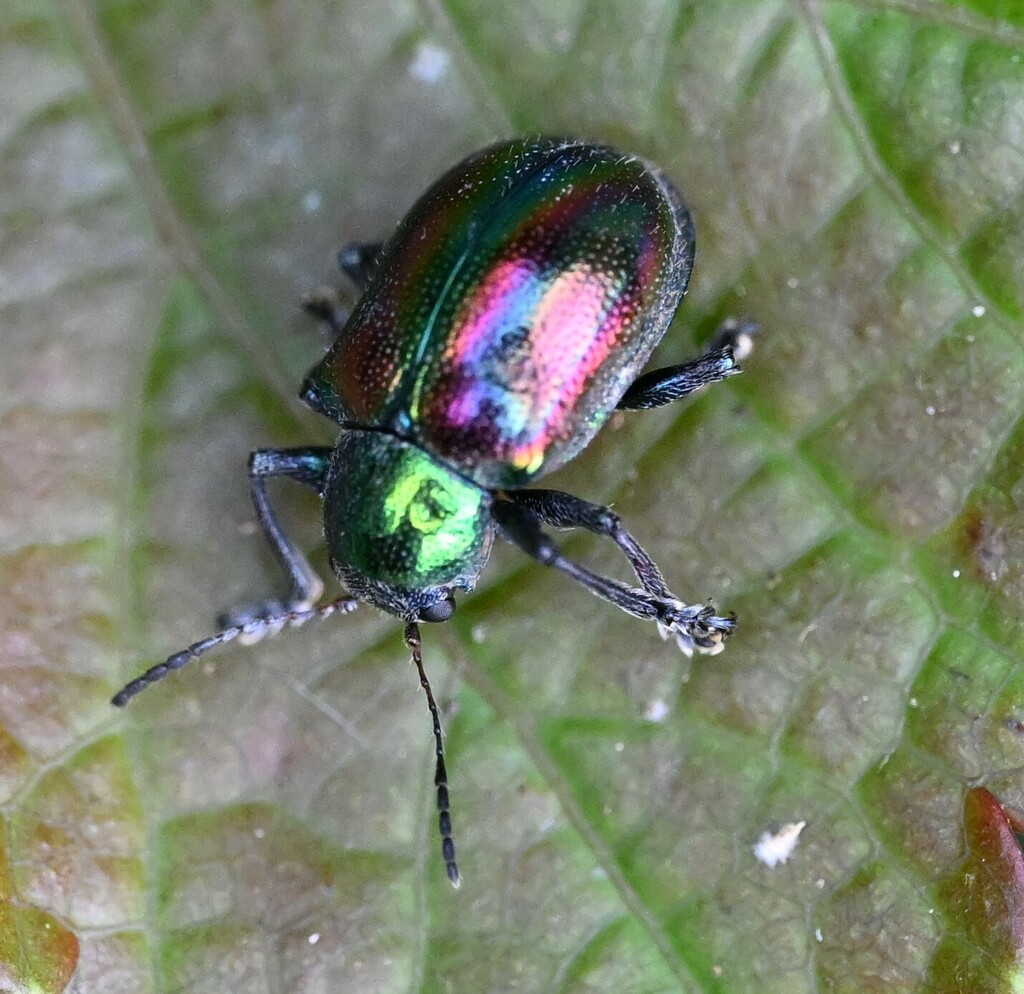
(444, 820)
(252, 630)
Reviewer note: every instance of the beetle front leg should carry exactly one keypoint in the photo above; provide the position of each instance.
(250, 624)
(562, 510)
(308, 466)
(694, 626)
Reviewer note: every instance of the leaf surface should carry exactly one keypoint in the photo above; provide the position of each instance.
(177, 175)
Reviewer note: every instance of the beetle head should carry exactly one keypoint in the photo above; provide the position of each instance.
(404, 531)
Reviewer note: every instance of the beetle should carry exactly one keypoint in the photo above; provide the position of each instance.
(507, 318)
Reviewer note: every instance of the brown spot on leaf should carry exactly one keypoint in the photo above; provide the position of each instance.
(983, 948)
(986, 541)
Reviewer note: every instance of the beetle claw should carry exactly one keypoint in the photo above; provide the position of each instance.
(696, 628)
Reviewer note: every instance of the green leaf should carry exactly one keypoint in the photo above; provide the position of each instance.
(177, 175)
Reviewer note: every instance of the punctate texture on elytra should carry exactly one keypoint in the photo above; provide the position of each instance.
(516, 302)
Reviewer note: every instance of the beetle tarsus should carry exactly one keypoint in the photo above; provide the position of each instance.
(696, 627)
(666, 386)
(262, 618)
(736, 334)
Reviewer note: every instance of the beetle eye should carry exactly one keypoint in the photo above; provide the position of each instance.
(439, 611)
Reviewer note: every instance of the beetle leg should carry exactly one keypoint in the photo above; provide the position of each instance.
(308, 466)
(562, 510)
(325, 305)
(250, 624)
(694, 626)
(663, 386)
(358, 261)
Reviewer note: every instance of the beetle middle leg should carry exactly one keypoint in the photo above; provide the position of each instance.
(308, 466)
(325, 305)
(358, 262)
(694, 626)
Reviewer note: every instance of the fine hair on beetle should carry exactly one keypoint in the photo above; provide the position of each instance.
(510, 314)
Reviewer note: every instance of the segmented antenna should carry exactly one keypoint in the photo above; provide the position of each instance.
(253, 631)
(444, 820)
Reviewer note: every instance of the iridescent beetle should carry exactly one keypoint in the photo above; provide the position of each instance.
(507, 318)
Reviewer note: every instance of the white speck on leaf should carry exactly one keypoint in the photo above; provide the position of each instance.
(430, 63)
(657, 711)
(774, 848)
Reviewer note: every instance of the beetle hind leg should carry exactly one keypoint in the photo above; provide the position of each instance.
(732, 341)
